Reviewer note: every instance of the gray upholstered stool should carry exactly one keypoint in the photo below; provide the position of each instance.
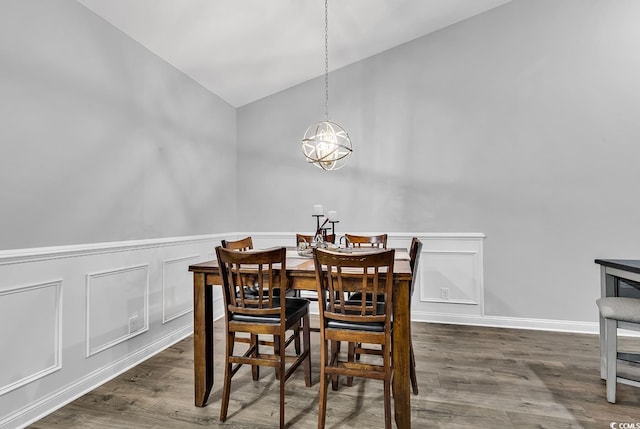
(614, 310)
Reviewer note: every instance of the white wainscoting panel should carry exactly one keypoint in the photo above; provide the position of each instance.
(123, 302)
(30, 318)
(453, 271)
(450, 276)
(177, 300)
(117, 306)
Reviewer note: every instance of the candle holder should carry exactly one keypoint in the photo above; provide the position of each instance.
(317, 216)
(333, 226)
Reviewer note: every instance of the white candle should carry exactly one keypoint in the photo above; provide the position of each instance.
(333, 215)
(317, 209)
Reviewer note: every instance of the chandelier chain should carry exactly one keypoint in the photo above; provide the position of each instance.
(326, 60)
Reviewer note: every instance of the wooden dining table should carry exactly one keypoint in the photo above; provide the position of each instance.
(300, 272)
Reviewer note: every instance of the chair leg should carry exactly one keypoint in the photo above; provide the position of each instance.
(351, 358)
(276, 351)
(281, 353)
(387, 404)
(611, 327)
(388, 372)
(324, 386)
(412, 368)
(226, 389)
(335, 350)
(255, 369)
(296, 341)
(306, 329)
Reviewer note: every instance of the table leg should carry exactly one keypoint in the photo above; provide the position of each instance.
(202, 339)
(401, 355)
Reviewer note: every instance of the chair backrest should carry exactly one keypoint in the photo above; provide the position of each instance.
(379, 241)
(242, 245)
(370, 274)
(330, 238)
(414, 258)
(241, 271)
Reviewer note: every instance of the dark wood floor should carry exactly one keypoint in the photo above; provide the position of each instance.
(469, 377)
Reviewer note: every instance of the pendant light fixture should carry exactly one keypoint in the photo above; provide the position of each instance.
(326, 144)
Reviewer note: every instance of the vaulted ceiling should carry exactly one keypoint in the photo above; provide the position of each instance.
(244, 50)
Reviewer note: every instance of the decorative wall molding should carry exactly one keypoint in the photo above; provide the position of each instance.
(114, 304)
(474, 276)
(183, 264)
(18, 353)
(103, 284)
(450, 276)
(18, 256)
(395, 239)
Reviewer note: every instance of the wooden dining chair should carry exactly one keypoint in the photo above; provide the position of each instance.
(311, 295)
(379, 241)
(261, 314)
(242, 245)
(414, 258)
(367, 241)
(366, 322)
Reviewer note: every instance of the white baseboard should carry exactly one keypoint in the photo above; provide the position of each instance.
(66, 394)
(508, 322)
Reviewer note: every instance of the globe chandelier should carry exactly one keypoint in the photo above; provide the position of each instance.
(326, 144)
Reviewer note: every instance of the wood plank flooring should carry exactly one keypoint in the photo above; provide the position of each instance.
(469, 377)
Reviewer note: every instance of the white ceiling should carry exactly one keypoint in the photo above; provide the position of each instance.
(244, 50)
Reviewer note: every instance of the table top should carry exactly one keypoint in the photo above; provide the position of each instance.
(632, 265)
(304, 266)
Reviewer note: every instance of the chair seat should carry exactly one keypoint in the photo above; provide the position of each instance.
(620, 308)
(294, 307)
(369, 327)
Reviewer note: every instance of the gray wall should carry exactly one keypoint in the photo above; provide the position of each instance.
(101, 140)
(521, 123)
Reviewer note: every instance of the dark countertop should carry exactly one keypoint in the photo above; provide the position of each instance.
(632, 265)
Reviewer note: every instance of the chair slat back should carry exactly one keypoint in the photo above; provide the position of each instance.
(262, 270)
(370, 274)
(379, 241)
(241, 245)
